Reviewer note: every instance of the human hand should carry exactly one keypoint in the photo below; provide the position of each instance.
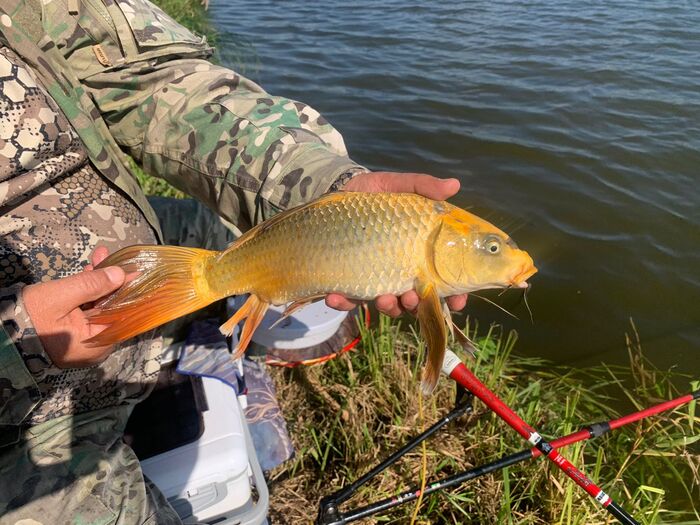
(385, 181)
(61, 324)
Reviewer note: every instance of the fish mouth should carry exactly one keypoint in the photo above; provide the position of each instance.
(520, 280)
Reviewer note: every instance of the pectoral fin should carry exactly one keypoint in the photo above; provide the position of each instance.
(253, 310)
(434, 330)
(296, 305)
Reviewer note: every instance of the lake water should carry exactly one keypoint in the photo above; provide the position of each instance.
(575, 128)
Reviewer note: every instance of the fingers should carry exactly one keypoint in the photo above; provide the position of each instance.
(457, 302)
(395, 306)
(392, 305)
(428, 186)
(410, 301)
(420, 183)
(71, 292)
(389, 304)
(54, 307)
(99, 255)
(340, 302)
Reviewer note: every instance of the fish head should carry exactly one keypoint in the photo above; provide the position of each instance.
(471, 254)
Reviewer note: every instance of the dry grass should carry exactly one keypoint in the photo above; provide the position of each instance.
(350, 413)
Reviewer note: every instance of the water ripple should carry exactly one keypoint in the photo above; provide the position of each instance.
(577, 122)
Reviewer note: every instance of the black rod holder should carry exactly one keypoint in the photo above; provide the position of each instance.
(329, 513)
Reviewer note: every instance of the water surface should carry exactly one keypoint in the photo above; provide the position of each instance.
(575, 127)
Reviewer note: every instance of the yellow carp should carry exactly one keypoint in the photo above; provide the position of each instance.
(359, 244)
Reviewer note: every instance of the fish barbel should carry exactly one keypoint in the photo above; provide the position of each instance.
(358, 244)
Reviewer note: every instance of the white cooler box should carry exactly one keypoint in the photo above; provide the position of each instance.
(209, 480)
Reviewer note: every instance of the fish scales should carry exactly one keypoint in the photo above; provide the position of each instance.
(361, 247)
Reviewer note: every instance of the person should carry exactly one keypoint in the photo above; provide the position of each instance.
(82, 85)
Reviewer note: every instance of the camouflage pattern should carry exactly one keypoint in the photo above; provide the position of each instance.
(207, 130)
(119, 75)
(21, 30)
(125, 377)
(152, 27)
(18, 392)
(55, 206)
(77, 470)
(79, 458)
(202, 127)
(241, 152)
(37, 144)
(49, 232)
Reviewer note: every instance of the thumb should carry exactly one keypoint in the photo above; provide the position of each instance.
(85, 287)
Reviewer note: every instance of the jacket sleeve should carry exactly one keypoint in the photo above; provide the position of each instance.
(220, 138)
(204, 128)
(19, 393)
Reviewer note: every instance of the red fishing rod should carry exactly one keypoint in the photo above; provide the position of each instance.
(458, 371)
(330, 513)
(598, 429)
(329, 507)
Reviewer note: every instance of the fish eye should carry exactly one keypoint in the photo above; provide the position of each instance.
(493, 245)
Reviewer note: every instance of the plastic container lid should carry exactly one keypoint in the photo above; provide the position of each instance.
(218, 456)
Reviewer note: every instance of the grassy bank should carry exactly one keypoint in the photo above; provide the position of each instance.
(350, 413)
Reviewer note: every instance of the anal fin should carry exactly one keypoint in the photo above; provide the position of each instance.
(432, 325)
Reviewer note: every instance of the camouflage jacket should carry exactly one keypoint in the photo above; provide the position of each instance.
(129, 78)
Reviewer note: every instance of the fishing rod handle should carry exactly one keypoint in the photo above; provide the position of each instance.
(454, 368)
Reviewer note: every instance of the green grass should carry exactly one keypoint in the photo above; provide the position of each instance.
(191, 14)
(352, 412)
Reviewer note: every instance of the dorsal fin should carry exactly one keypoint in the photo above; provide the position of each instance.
(269, 223)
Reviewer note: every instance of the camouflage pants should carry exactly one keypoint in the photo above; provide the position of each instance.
(76, 469)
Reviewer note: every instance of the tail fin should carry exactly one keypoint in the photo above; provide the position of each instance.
(168, 284)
